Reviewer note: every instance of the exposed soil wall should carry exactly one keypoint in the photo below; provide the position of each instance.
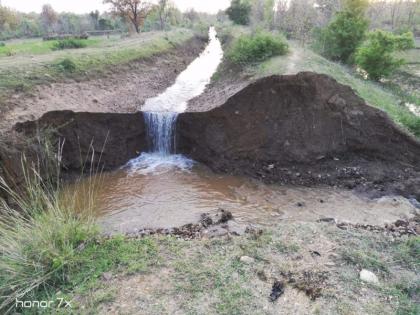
(105, 140)
(303, 129)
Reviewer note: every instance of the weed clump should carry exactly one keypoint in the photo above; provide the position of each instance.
(67, 65)
(41, 233)
(257, 47)
(69, 43)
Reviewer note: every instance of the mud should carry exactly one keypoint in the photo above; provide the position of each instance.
(123, 89)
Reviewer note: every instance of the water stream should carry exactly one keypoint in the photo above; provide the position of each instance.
(162, 189)
(160, 112)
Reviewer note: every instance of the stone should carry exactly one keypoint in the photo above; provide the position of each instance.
(247, 259)
(368, 276)
(106, 276)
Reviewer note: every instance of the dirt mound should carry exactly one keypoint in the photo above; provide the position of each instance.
(302, 129)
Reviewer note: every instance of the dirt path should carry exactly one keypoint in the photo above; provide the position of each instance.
(122, 89)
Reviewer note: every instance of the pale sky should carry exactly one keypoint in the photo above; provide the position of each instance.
(85, 6)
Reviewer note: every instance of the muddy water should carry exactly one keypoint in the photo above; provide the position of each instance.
(132, 199)
(160, 189)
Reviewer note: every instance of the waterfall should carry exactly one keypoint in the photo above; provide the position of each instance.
(160, 112)
(160, 128)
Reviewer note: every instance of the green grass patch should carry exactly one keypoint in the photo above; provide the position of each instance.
(38, 46)
(70, 43)
(364, 259)
(407, 253)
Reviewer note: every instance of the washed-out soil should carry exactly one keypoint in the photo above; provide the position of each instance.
(304, 129)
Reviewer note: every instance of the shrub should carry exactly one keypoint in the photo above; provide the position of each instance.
(69, 43)
(340, 39)
(67, 65)
(2, 44)
(375, 56)
(257, 47)
(239, 12)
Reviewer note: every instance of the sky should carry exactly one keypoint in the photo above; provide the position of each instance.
(85, 6)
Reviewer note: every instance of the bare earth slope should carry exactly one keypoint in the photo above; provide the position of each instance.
(122, 90)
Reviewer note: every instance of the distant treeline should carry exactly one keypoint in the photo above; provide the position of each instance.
(14, 24)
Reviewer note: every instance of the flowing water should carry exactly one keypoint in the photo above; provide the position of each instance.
(160, 112)
(162, 189)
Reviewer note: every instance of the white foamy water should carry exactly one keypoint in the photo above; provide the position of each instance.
(191, 82)
(161, 112)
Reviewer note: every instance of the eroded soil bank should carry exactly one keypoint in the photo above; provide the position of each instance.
(303, 129)
(122, 90)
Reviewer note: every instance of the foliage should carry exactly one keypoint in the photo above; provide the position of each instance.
(8, 18)
(41, 234)
(67, 65)
(340, 39)
(48, 17)
(376, 57)
(69, 43)
(408, 252)
(257, 47)
(135, 11)
(239, 12)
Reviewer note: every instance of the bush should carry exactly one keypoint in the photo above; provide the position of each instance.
(340, 39)
(257, 47)
(375, 56)
(69, 43)
(67, 65)
(2, 44)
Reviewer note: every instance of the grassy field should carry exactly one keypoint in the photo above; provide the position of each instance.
(38, 46)
(21, 72)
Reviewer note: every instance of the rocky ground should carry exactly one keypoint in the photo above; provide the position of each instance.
(294, 268)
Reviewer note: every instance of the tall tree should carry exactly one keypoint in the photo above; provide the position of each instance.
(135, 11)
(48, 17)
(340, 39)
(94, 16)
(163, 13)
(8, 18)
(239, 11)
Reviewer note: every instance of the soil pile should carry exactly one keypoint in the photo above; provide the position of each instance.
(303, 129)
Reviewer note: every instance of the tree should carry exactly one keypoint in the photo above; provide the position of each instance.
(135, 11)
(8, 19)
(340, 39)
(300, 19)
(239, 11)
(48, 17)
(262, 13)
(94, 16)
(375, 56)
(163, 13)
